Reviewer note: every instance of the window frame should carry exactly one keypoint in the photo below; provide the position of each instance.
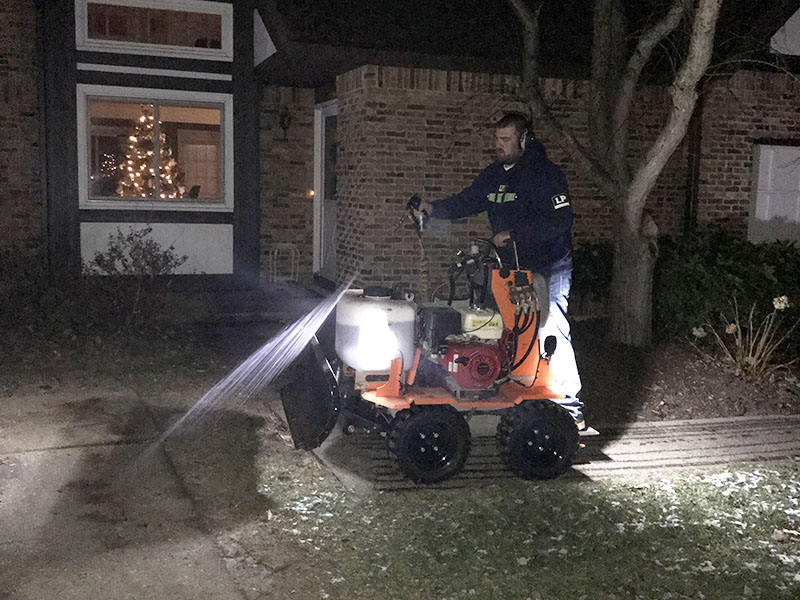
(153, 95)
(223, 9)
(759, 230)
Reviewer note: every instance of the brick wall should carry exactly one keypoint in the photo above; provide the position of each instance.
(287, 172)
(21, 205)
(738, 111)
(405, 131)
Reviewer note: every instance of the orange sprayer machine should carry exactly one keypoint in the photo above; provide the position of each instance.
(416, 373)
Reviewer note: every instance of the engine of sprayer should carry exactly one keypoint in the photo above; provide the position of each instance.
(468, 345)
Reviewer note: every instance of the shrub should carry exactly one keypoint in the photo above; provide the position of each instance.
(119, 288)
(124, 276)
(591, 273)
(701, 275)
(749, 346)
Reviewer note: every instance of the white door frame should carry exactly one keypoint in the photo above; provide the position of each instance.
(321, 111)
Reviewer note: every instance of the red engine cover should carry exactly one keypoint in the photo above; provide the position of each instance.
(473, 366)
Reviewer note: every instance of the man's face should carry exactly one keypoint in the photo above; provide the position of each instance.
(506, 143)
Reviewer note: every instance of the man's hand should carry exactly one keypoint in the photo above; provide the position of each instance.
(424, 209)
(502, 238)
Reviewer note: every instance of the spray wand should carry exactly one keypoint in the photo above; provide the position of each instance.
(412, 206)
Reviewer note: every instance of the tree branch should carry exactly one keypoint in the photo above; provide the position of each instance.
(608, 60)
(684, 96)
(529, 17)
(630, 77)
(533, 97)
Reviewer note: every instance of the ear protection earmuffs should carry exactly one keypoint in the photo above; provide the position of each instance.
(523, 139)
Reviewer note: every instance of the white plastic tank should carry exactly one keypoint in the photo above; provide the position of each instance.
(372, 329)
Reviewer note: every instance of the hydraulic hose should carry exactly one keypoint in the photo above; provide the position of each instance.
(424, 271)
(534, 322)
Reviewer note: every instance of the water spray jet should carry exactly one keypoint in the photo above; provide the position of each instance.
(263, 366)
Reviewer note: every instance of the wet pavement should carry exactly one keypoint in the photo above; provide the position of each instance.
(90, 509)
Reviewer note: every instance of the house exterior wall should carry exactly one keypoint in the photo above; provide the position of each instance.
(406, 131)
(287, 174)
(220, 234)
(739, 111)
(21, 203)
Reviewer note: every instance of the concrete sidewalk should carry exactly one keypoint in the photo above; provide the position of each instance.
(90, 509)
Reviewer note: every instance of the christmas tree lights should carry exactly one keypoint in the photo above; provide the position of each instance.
(140, 173)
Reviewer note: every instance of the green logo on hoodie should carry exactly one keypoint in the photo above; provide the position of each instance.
(501, 196)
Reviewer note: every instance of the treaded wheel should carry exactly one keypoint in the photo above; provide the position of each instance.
(537, 439)
(429, 443)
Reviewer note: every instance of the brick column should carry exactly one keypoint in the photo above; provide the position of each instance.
(21, 205)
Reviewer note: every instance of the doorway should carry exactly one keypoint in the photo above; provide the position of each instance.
(325, 148)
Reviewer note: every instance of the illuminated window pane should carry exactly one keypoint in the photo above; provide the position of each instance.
(153, 26)
(122, 158)
(155, 151)
(196, 135)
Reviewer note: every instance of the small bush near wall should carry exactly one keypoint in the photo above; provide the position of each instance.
(701, 276)
(120, 289)
(123, 279)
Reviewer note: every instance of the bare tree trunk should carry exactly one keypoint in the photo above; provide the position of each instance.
(636, 248)
(635, 254)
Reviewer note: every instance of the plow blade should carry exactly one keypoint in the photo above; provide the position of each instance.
(311, 400)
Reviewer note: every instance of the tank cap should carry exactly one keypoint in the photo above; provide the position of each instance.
(377, 291)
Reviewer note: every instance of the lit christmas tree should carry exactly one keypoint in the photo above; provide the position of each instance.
(139, 177)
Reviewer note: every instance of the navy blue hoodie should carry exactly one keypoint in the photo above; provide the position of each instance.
(530, 199)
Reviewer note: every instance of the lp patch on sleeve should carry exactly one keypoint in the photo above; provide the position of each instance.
(560, 201)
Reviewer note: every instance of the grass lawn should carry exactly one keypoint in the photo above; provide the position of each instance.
(721, 535)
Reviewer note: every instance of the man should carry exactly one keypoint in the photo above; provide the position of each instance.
(525, 197)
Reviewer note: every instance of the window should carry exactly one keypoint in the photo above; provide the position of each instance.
(154, 149)
(775, 211)
(184, 28)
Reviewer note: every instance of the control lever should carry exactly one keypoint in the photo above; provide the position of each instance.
(513, 240)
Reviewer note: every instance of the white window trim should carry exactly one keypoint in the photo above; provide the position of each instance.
(225, 10)
(144, 95)
(103, 68)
